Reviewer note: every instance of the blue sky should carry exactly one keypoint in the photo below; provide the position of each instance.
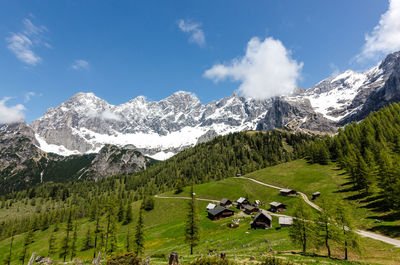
(50, 50)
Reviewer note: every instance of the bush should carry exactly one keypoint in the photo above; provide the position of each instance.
(276, 261)
(212, 261)
(129, 258)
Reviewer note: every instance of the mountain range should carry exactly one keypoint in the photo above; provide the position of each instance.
(160, 129)
(86, 137)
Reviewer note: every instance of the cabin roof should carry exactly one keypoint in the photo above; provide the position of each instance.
(225, 200)
(285, 220)
(276, 204)
(241, 199)
(218, 209)
(286, 190)
(249, 207)
(263, 212)
(317, 193)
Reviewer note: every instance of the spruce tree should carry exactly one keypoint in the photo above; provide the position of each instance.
(65, 247)
(325, 222)
(128, 241)
(9, 256)
(192, 236)
(120, 213)
(128, 215)
(74, 241)
(28, 240)
(139, 235)
(52, 241)
(87, 242)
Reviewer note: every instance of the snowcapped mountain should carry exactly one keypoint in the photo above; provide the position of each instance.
(85, 123)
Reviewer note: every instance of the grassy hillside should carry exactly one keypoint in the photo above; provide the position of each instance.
(331, 182)
(165, 225)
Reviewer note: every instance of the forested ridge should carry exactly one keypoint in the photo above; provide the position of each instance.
(369, 151)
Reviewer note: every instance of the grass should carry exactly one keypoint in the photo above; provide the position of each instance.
(332, 183)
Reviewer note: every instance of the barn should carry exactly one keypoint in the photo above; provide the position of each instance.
(277, 207)
(288, 192)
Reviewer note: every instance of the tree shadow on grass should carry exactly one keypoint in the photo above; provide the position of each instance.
(389, 230)
(378, 205)
(394, 216)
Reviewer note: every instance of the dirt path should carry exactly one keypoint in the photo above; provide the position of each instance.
(362, 233)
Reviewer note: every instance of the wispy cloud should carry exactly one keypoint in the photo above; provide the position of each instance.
(11, 114)
(28, 96)
(80, 64)
(385, 37)
(22, 43)
(195, 31)
(266, 70)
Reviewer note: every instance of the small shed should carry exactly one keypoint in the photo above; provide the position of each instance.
(219, 212)
(249, 209)
(316, 195)
(288, 192)
(225, 202)
(277, 207)
(257, 203)
(285, 221)
(210, 206)
(262, 220)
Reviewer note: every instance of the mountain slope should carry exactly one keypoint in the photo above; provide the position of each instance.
(160, 129)
(23, 164)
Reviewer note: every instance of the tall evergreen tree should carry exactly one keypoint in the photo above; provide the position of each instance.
(128, 215)
(9, 256)
(65, 247)
(325, 222)
(28, 240)
(74, 241)
(192, 236)
(52, 240)
(87, 242)
(128, 241)
(139, 235)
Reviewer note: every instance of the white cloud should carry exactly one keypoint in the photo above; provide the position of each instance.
(266, 70)
(23, 43)
(385, 37)
(80, 64)
(195, 31)
(28, 96)
(11, 114)
(335, 69)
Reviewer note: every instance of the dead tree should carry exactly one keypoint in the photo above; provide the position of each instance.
(173, 259)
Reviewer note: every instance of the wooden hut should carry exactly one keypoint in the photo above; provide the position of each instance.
(225, 202)
(262, 220)
(288, 192)
(249, 209)
(316, 195)
(277, 207)
(219, 212)
(285, 221)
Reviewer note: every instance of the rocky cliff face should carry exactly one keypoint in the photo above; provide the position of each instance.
(85, 123)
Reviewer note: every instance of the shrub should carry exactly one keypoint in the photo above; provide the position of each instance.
(129, 258)
(276, 261)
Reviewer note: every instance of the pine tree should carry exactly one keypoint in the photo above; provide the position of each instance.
(120, 213)
(74, 241)
(110, 219)
(192, 236)
(128, 241)
(139, 235)
(28, 240)
(97, 233)
(9, 256)
(128, 216)
(87, 242)
(302, 231)
(65, 247)
(52, 241)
